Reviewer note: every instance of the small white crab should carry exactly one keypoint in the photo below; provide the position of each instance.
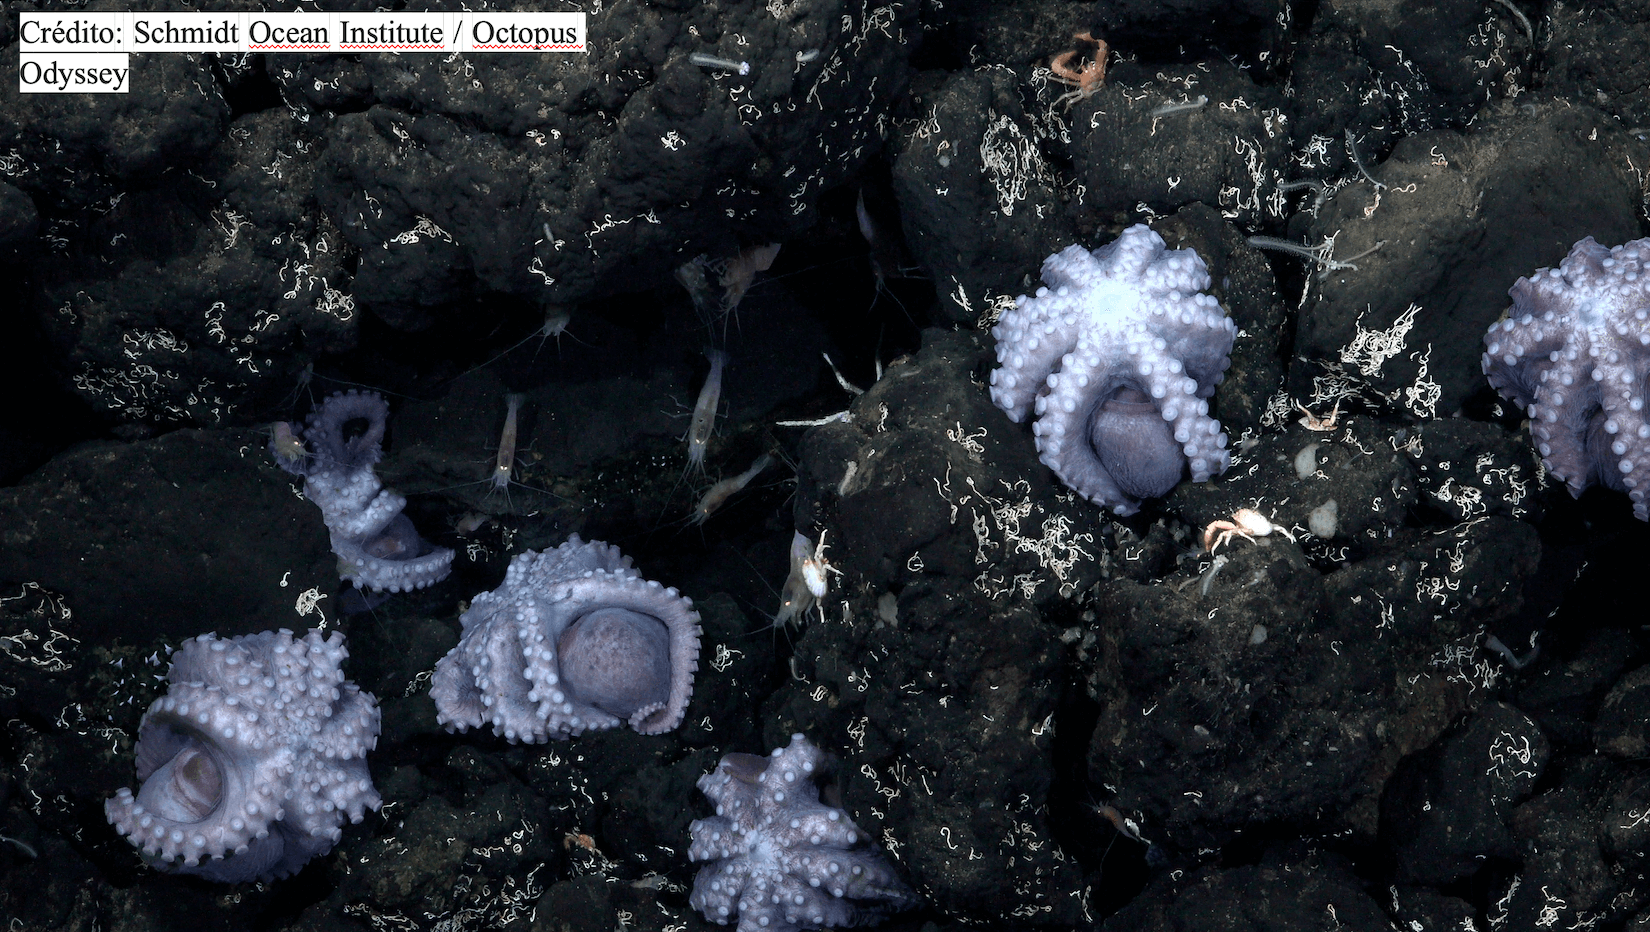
(815, 568)
(1313, 422)
(1246, 523)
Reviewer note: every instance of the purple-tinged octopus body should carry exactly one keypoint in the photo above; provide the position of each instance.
(376, 545)
(777, 859)
(1574, 353)
(1117, 357)
(574, 640)
(252, 760)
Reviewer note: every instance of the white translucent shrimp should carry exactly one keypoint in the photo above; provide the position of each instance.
(555, 326)
(507, 446)
(722, 491)
(735, 274)
(704, 411)
(504, 472)
(286, 445)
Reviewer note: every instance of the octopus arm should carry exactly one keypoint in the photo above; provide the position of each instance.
(1519, 354)
(1041, 331)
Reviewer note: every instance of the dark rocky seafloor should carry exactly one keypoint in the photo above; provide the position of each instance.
(1050, 718)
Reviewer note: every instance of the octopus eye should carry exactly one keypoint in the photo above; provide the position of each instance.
(386, 547)
(398, 541)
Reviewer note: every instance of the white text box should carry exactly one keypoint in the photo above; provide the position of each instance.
(74, 73)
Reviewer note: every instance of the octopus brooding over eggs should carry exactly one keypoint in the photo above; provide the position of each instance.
(1573, 352)
(1117, 358)
(574, 640)
(377, 546)
(252, 760)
